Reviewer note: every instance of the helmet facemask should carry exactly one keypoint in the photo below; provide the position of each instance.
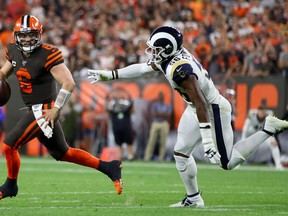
(27, 41)
(155, 53)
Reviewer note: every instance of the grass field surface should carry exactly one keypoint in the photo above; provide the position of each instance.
(47, 187)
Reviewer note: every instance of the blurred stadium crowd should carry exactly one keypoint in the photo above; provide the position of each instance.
(229, 37)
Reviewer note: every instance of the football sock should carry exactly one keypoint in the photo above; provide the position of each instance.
(12, 161)
(81, 157)
(276, 155)
(188, 172)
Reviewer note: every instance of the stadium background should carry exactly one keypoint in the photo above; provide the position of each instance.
(112, 34)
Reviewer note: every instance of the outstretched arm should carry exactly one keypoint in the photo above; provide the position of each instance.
(131, 71)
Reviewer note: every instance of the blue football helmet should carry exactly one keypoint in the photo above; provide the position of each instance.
(164, 42)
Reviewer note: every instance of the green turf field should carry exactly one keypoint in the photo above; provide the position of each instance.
(47, 187)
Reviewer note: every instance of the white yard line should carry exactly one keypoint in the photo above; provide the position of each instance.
(27, 160)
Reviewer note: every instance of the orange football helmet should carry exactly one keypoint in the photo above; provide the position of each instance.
(28, 33)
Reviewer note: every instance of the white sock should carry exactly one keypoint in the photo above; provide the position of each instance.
(276, 155)
(188, 172)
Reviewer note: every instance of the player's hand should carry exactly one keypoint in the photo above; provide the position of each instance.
(50, 116)
(100, 75)
(211, 152)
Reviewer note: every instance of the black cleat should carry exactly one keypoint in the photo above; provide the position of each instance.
(9, 188)
(113, 171)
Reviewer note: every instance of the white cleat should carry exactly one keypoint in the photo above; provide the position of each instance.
(274, 125)
(194, 202)
(279, 168)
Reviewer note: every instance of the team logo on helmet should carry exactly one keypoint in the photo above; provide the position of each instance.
(163, 43)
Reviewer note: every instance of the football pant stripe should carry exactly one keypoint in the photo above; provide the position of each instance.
(29, 132)
(219, 136)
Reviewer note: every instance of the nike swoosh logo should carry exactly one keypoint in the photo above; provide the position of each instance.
(177, 70)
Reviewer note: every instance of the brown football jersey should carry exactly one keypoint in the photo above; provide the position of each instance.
(37, 85)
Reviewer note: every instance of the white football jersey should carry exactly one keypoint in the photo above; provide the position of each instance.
(252, 123)
(180, 67)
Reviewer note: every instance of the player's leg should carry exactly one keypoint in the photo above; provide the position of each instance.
(25, 130)
(187, 138)
(118, 141)
(150, 147)
(128, 138)
(220, 115)
(246, 147)
(10, 187)
(231, 155)
(59, 150)
(275, 151)
(163, 134)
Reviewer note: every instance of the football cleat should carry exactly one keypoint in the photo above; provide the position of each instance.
(9, 189)
(274, 125)
(114, 174)
(279, 167)
(113, 171)
(190, 201)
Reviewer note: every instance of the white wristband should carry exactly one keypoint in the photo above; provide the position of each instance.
(206, 133)
(62, 98)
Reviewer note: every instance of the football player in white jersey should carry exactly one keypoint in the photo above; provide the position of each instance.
(253, 122)
(207, 118)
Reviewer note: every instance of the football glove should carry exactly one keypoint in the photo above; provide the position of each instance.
(102, 75)
(210, 150)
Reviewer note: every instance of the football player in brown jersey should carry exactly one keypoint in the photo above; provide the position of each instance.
(38, 66)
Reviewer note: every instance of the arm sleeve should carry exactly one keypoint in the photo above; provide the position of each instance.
(135, 70)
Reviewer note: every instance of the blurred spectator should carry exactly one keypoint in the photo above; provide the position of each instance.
(207, 26)
(107, 59)
(254, 121)
(265, 68)
(64, 49)
(283, 59)
(159, 129)
(251, 59)
(88, 127)
(216, 59)
(233, 59)
(240, 8)
(6, 33)
(202, 50)
(16, 8)
(38, 10)
(120, 107)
